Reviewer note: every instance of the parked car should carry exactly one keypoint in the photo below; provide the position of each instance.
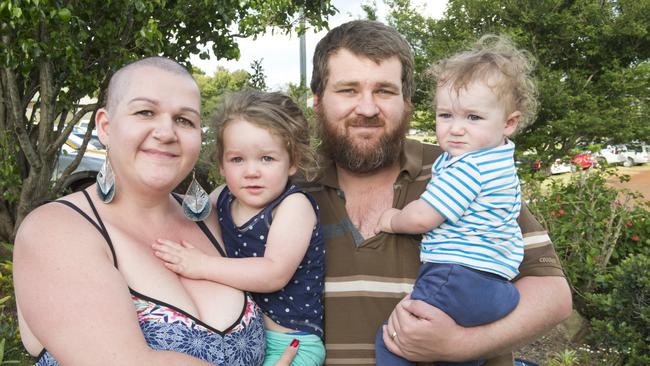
(610, 155)
(584, 160)
(561, 167)
(86, 172)
(94, 142)
(634, 154)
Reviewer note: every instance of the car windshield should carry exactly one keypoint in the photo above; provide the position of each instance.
(637, 147)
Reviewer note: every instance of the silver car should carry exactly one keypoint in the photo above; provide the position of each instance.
(86, 172)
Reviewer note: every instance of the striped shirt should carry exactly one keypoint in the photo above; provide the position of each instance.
(478, 194)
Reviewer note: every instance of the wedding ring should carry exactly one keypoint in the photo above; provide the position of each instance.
(394, 335)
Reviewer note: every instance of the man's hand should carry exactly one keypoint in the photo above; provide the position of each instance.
(423, 332)
(183, 258)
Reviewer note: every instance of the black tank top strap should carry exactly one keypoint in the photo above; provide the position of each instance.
(99, 219)
(204, 228)
(99, 225)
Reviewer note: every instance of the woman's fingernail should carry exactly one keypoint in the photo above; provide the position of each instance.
(295, 343)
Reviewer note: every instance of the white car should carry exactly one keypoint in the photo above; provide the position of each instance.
(610, 155)
(560, 167)
(635, 154)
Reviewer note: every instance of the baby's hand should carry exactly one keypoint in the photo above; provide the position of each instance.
(182, 258)
(384, 221)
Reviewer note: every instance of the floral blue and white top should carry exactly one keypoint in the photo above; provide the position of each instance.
(171, 329)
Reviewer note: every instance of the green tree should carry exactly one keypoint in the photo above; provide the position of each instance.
(258, 78)
(214, 87)
(593, 68)
(55, 53)
(370, 10)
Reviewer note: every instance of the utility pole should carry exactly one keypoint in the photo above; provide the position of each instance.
(303, 51)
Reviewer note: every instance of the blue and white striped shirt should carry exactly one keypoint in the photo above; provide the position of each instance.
(479, 195)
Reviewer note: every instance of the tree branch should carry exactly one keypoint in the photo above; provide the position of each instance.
(48, 97)
(82, 149)
(47, 111)
(63, 136)
(3, 109)
(31, 84)
(17, 118)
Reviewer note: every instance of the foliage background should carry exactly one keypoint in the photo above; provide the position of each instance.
(593, 65)
(601, 235)
(56, 58)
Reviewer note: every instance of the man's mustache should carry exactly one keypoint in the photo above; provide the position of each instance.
(365, 122)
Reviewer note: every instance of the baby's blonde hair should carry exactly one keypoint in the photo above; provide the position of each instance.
(497, 61)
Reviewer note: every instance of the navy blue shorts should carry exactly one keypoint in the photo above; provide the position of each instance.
(471, 297)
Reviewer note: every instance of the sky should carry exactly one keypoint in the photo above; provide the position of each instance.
(280, 54)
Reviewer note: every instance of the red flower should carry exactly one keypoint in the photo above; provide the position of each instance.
(628, 224)
(560, 213)
(552, 213)
(597, 258)
(635, 238)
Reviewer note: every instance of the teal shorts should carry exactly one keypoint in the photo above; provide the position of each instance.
(311, 350)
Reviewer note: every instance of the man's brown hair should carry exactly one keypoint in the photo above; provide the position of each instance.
(366, 38)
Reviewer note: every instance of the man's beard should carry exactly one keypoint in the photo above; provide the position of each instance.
(362, 157)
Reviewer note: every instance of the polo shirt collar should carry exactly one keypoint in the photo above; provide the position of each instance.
(411, 158)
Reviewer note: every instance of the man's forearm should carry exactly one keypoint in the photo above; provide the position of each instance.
(427, 334)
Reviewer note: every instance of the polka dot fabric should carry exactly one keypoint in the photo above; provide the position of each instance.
(299, 304)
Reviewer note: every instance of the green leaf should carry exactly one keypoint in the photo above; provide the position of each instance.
(5, 299)
(2, 349)
(16, 12)
(65, 14)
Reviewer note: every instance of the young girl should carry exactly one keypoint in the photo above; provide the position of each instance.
(269, 226)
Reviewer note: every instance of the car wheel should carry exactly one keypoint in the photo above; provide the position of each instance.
(81, 184)
(628, 162)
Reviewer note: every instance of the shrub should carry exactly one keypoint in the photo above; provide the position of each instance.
(622, 311)
(602, 236)
(593, 225)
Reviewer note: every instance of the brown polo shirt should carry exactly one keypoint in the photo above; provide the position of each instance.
(365, 279)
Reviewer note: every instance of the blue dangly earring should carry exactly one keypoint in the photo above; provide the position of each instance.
(106, 181)
(196, 203)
